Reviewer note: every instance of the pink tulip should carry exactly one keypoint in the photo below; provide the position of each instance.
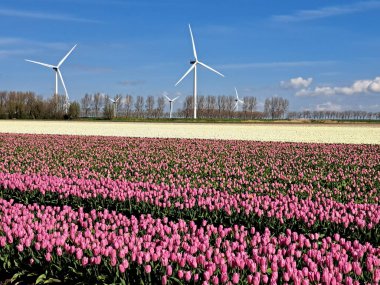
(164, 280)
(147, 268)
(235, 278)
(169, 270)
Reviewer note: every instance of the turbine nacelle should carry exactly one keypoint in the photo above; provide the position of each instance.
(171, 101)
(193, 66)
(57, 73)
(114, 101)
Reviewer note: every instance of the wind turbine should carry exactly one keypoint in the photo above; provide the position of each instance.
(237, 100)
(57, 73)
(114, 101)
(194, 64)
(171, 104)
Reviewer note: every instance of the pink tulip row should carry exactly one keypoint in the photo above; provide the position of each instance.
(340, 172)
(213, 254)
(362, 216)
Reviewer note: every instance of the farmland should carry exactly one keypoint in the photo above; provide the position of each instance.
(167, 210)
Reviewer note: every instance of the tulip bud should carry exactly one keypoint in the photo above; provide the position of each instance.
(224, 278)
(206, 275)
(188, 276)
(376, 275)
(121, 268)
(169, 270)
(48, 257)
(164, 280)
(235, 278)
(148, 268)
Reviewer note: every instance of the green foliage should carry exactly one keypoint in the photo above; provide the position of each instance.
(74, 110)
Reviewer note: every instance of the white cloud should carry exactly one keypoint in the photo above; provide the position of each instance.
(358, 87)
(330, 11)
(317, 91)
(297, 83)
(328, 106)
(375, 85)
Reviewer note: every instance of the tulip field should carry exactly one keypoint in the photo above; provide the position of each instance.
(117, 210)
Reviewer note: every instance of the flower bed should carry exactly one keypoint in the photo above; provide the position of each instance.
(126, 210)
(158, 249)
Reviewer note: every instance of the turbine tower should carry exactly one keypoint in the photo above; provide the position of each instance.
(237, 100)
(171, 104)
(114, 101)
(194, 64)
(57, 73)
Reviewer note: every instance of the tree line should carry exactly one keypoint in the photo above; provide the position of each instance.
(335, 115)
(28, 105)
(208, 107)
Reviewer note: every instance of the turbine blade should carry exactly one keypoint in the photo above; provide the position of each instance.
(192, 40)
(236, 105)
(237, 95)
(63, 59)
(208, 67)
(167, 97)
(41, 63)
(175, 98)
(63, 83)
(187, 72)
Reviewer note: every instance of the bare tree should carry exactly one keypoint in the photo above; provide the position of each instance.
(149, 106)
(188, 107)
(3, 104)
(128, 103)
(211, 106)
(86, 103)
(221, 102)
(201, 106)
(160, 107)
(276, 107)
(108, 109)
(139, 105)
(57, 106)
(230, 106)
(98, 103)
(118, 102)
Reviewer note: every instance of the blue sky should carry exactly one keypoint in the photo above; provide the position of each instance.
(318, 54)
